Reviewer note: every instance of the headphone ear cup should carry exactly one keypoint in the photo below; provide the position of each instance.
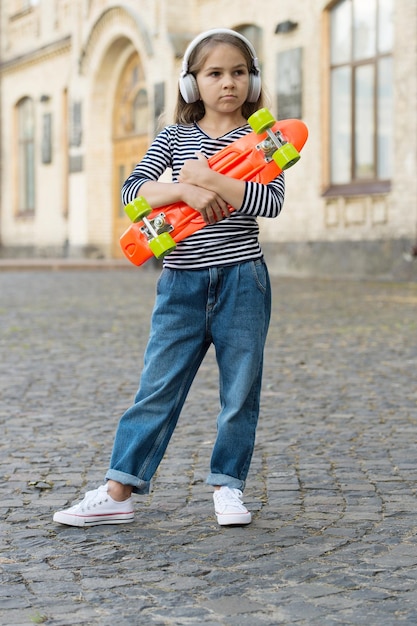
(254, 88)
(189, 89)
(190, 93)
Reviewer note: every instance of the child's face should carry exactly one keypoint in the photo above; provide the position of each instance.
(223, 80)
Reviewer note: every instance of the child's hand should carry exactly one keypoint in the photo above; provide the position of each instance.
(208, 203)
(194, 169)
(211, 206)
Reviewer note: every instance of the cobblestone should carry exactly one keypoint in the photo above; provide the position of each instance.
(332, 486)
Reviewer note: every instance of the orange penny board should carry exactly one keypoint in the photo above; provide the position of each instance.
(240, 160)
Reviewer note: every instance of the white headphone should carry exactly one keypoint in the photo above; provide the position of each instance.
(188, 84)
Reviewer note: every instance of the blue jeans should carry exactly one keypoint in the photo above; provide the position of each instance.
(230, 308)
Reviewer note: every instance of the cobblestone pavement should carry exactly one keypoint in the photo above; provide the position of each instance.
(332, 485)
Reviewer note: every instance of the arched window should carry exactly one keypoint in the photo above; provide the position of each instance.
(361, 93)
(131, 113)
(140, 112)
(26, 156)
(131, 126)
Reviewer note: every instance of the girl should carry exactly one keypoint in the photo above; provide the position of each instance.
(213, 289)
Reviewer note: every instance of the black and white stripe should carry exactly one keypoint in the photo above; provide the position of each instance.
(230, 241)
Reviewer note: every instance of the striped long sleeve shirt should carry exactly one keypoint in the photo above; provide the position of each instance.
(230, 241)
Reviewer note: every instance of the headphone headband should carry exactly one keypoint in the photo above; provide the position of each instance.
(218, 31)
(188, 84)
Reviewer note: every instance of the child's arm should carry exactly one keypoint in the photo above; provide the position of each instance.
(250, 198)
(198, 172)
(145, 180)
(207, 202)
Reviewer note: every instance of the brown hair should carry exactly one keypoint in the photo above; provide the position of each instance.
(188, 113)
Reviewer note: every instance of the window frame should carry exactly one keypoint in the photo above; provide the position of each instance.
(26, 158)
(355, 186)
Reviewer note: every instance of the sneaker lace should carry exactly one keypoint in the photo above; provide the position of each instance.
(92, 499)
(231, 497)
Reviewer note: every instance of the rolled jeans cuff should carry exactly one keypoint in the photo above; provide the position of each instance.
(139, 486)
(222, 480)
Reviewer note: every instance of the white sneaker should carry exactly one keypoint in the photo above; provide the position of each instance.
(229, 507)
(97, 508)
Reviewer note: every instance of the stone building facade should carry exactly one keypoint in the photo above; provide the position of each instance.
(85, 85)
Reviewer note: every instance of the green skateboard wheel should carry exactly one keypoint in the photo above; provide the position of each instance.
(162, 245)
(286, 156)
(138, 209)
(261, 120)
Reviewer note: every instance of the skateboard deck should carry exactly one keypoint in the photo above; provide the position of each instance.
(257, 157)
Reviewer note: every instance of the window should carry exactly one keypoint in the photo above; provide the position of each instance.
(361, 93)
(26, 156)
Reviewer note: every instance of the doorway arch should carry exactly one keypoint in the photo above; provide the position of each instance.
(117, 43)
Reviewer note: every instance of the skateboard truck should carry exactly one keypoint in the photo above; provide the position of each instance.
(155, 230)
(275, 147)
(154, 227)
